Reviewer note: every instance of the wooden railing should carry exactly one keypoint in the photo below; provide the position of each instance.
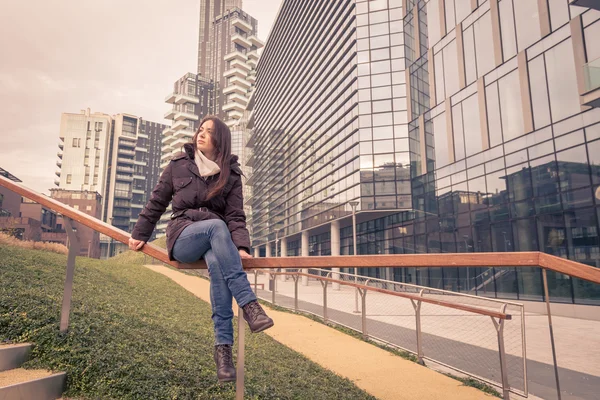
(445, 260)
(519, 259)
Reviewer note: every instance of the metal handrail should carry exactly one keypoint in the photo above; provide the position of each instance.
(419, 287)
(475, 310)
(498, 319)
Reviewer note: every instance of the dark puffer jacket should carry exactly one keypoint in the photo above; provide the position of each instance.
(181, 182)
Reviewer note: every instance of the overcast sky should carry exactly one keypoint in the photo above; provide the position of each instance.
(112, 56)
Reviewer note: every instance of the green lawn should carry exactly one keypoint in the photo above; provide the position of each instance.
(135, 334)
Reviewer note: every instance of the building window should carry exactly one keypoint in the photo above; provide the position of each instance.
(482, 31)
(76, 142)
(527, 23)
(562, 81)
(510, 106)
(539, 92)
(69, 178)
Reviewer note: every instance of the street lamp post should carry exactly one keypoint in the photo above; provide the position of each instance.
(354, 204)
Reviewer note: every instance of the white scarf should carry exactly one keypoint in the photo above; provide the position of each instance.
(206, 167)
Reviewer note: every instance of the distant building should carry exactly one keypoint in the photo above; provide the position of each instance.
(87, 202)
(46, 216)
(25, 219)
(10, 202)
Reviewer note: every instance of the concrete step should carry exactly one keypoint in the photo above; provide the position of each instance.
(23, 384)
(13, 355)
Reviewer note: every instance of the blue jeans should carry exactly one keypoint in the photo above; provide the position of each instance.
(211, 240)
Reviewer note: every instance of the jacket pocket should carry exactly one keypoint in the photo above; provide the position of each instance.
(180, 183)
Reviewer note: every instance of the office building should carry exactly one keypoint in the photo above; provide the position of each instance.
(84, 152)
(457, 126)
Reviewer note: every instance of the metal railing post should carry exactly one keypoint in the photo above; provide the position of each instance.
(273, 278)
(73, 250)
(417, 307)
(503, 368)
(363, 296)
(547, 297)
(356, 293)
(295, 277)
(524, 352)
(324, 284)
(255, 282)
(239, 383)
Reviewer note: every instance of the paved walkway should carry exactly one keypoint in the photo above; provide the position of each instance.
(374, 370)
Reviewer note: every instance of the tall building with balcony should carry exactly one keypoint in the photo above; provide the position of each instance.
(192, 98)
(231, 67)
(209, 11)
(234, 72)
(84, 152)
(455, 126)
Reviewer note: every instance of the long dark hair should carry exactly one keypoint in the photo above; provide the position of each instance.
(221, 140)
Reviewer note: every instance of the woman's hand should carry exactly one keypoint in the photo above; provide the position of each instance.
(135, 245)
(243, 254)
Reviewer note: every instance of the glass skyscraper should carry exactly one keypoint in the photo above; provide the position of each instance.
(457, 126)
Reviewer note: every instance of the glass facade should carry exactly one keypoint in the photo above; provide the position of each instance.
(467, 122)
(335, 129)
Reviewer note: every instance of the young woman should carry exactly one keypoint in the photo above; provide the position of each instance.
(208, 221)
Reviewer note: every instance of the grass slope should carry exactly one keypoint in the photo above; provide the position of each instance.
(135, 334)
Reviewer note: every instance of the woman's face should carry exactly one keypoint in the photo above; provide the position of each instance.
(204, 141)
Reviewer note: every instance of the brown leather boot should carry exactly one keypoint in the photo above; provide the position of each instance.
(224, 360)
(256, 317)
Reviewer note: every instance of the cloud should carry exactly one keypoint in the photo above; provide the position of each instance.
(9, 83)
(55, 85)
